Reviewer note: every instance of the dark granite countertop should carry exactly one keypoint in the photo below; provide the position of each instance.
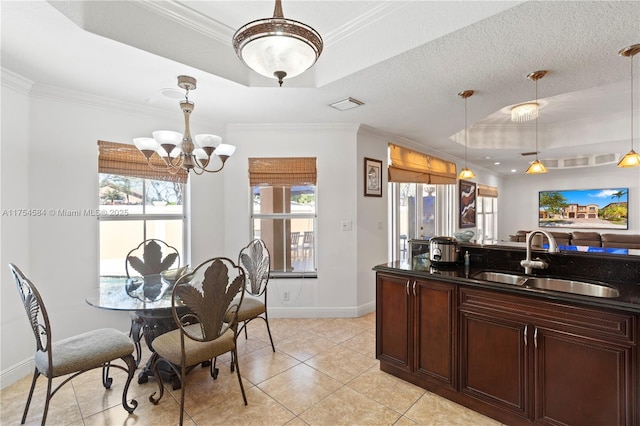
(621, 273)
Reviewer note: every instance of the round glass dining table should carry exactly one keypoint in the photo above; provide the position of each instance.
(148, 300)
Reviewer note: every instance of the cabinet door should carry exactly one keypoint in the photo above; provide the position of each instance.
(582, 381)
(435, 313)
(494, 360)
(393, 338)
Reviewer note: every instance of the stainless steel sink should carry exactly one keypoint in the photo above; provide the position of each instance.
(553, 284)
(571, 286)
(501, 277)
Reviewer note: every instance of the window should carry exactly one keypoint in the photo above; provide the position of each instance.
(284, 212)
(487, 215)
(137, 207)
(419, 211)
(422, 189)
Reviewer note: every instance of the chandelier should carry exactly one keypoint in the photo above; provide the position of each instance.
(278, 47)
(179, 151)
(524, 112)
(536, 167)
(632, 158)
(466, 173)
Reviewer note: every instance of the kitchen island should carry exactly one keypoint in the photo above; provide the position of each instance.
(520, 355)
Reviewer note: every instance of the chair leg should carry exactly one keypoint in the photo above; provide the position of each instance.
(266, 319)
(36, 374)
(131, 370)
(183, 390)
(234, 354)
(47, 401)
(106, 380)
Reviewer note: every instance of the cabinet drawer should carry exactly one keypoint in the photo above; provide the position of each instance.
(588, 321)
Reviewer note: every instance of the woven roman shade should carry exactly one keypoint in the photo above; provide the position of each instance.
(282, 171)
(123, 159)
(407, 165)
(487, 191)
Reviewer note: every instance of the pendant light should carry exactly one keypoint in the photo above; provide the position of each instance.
(632, 158)
(466, 173)
(536, 167)
(278, 47)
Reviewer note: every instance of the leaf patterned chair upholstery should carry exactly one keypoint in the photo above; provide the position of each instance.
(212, 294)
(146, 260)
(255, 260)
(74, 355)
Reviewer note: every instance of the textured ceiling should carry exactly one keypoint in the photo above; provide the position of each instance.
(407, 60)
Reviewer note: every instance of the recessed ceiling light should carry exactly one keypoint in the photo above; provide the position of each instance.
(497, 163)
(513, 170)
(172, 93)
(345, 104)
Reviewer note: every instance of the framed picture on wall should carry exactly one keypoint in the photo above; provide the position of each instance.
(372, 177)
(467, 204)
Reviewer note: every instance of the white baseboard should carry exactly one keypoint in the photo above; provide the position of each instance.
(16, 372)
(312, 312)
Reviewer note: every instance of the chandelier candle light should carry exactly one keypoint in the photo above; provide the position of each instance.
(536, 167)
(179, 151)
(632, 158)
(466, 173)
(278, 47)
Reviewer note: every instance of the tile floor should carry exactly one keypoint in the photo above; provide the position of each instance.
(323, 372)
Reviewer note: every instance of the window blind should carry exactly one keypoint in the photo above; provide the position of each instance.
(407, 165)
(487, 191)
(282, 171)
(124, 159)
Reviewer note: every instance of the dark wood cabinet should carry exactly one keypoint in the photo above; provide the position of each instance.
(416, 327)
(494, 360)
(515, 358)
(550, 362)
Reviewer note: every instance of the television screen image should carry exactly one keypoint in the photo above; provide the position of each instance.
(605, 208)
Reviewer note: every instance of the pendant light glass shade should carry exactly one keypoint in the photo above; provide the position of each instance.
(466, 173)
(632, 158)
(536, 167)
(278, 47)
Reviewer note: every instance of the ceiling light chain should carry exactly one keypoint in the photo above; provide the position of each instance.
(536, 167)
(179, 151)
(466, 173)
(632, 158)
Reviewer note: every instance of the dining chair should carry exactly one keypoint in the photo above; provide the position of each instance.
(213, 293)
(295, 244)
(255, 260)
(307, 244)
(148, 259)
(74, 355)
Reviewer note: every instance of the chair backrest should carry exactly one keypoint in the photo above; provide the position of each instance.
(295, 238)
(255, 260)
(308, 237)
(209, 297)
(36, 311)
(147, 258)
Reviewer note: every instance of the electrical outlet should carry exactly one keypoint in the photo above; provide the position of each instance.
(285, 296)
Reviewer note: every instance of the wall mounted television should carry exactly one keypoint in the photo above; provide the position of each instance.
(604, 208)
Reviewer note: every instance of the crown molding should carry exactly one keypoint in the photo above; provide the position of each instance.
(191, 19)
(15, 81)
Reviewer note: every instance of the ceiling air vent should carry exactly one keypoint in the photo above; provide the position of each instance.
(551, 163)
(576, 162)
(605, 159)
